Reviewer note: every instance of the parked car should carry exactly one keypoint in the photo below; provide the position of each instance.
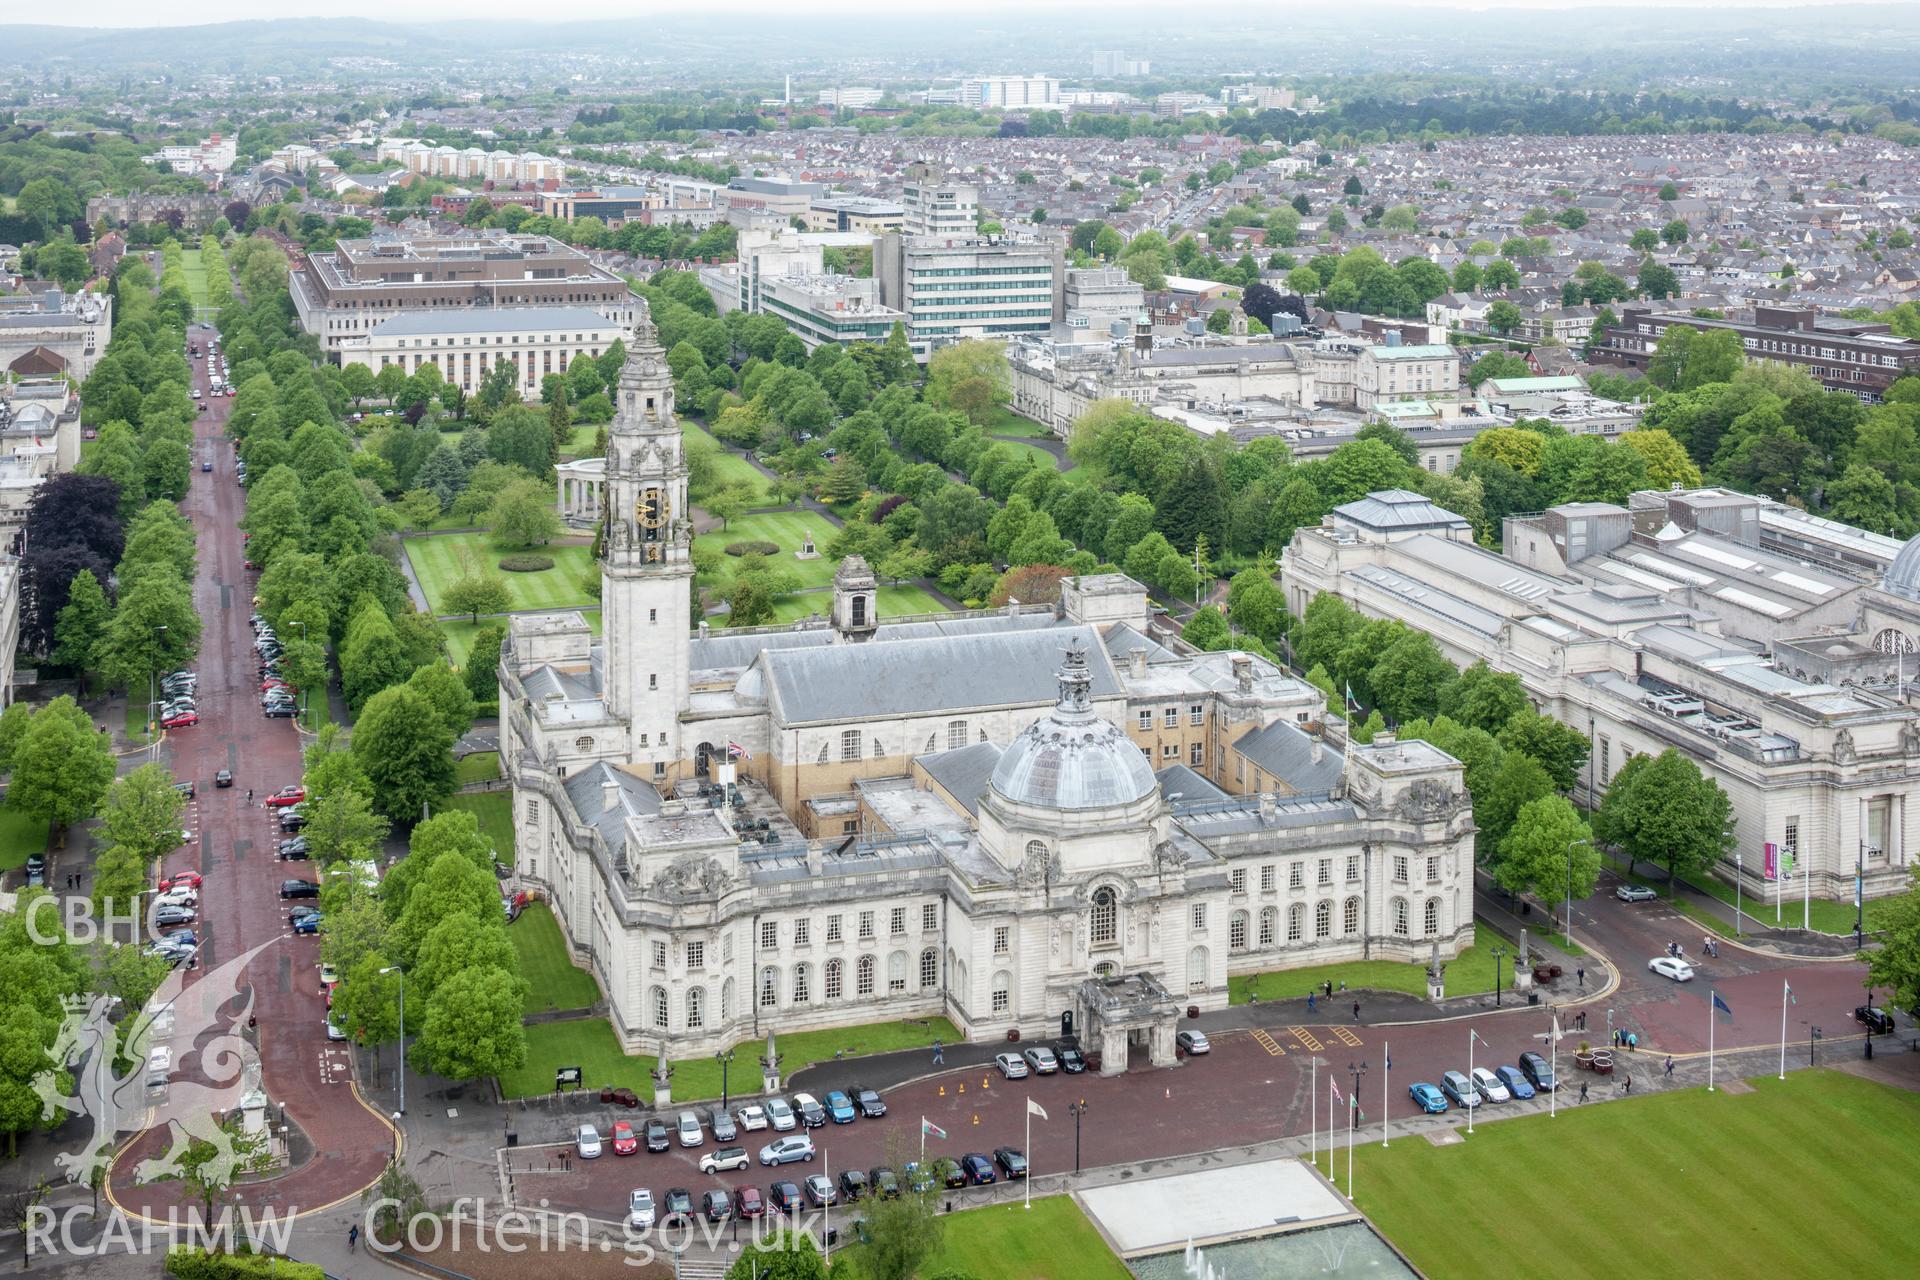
(625, 1142)
(1428, 1098)
(978, 1168)
(808, 1108)
(587, 1143)
(1516, 1083)
(839, 1107)
(334, 1033)
(679, 1203)
(748, 1203)
(1538, 1071)
(1459, 1090)
(188, 878)
(657, 1136)
(725, 1160)
(718, 1206)
(179, 896)
(949, 1174)
(1041, 1059)
(304, 922)
(780, 1115)
(281, 711)
(691, 1134)
(36, 870)
(224, 778)
(1635, 893)
(1489, 1086)
(170, 914)
(785, 1197)
(1669, 967)
(1011, 1161)
(752, 1117)
(869, 1103)
(793, 1148)
(293, 850)
(640, 1208)
(819, 1189)
(1876, 1021)
(1194, 1042)
(722, 1125)
(180, 720)
(1011, 1065)
(186, 788)
(292, 820)
(299, 889)
(1072, 1061)
(853, 1184)
(286, 796)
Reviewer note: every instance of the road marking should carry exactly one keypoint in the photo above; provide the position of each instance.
(1305, 1037)
(1347, 1037)
(1267, 1042)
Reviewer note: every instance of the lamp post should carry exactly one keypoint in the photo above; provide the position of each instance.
(394, 968)
(1859, 891)
(723, 1057)
(1077, 1110)
(1814, 1037)
(303, 693)
(1499, 954)
(1353, 1110)
(153, 717)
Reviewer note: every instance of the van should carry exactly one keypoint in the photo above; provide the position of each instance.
(691, 1134)
(159, 1067)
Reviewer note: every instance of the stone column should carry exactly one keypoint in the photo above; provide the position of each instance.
(1160, 1050)
(1113, 1050)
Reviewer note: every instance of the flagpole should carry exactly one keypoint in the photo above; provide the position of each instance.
(1313, 1110)
(1386, 1095)
(1353, 1105)
(1472, 1035)
(1712, 996)
(1029, 1178)
(1553, 1066)
(826, 1202)
(1785, 988)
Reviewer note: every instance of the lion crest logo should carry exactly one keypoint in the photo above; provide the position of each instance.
(190, 1069)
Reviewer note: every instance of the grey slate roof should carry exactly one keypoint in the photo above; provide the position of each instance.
(1122, 640)
(1179, 780)
(1287, 754)
(587, 790)
(1399, 509)
(501, 319)
(549, 682)
(964, 771)
(915, 677)
(727, 652)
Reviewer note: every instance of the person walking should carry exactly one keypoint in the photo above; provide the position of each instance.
(1329, 987)
(249, 795)
(939, 1054)
(1626, 1085)
(1310, 996)
(1633, 1042)
(1583, 1091)
(1356, 1011)
(1669, 1066)
(353, 1237)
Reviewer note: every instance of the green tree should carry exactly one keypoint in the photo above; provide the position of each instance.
(1657, 280)
(1517, 782)
(1895, 964)
(1662, 809)
(1548, 852)
(407, 753)
(142, 813)
(473, 1028)
(1499, 274)
(476, 593)
(1411, 677)
(1676, 232)
(13, 729)
(1255, 603)
(482, 672)
(903, 1232)
(1561, 750)
(1644, 240)
(1207, 630)
(155, 629)
(522, 515)
(62, 767)
(443, 688)
(1483, 698)
(81, 625)
(1503, 317)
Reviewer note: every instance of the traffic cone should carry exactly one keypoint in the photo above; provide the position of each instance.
(976, 1117)
(943, 1091)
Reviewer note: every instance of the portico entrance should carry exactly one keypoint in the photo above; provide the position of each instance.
(1117, 1013)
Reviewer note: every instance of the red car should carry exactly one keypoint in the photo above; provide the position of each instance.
(274, 684)
(747, 1202)
(286, 796)
(251, 565)
(191, 879)
(624, 1143)
(180, 721)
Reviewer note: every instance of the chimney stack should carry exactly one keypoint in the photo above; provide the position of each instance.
(610, 792)
(1137, 662)
(1243, 672)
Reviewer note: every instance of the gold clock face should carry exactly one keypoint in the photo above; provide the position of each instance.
(652, 512)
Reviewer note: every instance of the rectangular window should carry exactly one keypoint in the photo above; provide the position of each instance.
(1433, 871)
(863, 976)
(833, 928)
(659, 955)
(1296, 875)
(802, 929)
(1170, 751)
(1790, 839)
(1237, 879)
(1353, 867)
(929, 917)
(696, 955)
(1399, 869)
(1326, 871)
(1268, 878)
(1197, 713)
(897, 921)
(1002, 940)
(1606, 761)
(1199, 915)
(1000, 998)
(769, 935)
(866, 924)
(1197, 755)
(850, 746)
(1296, 922)
(1170, 717)
(929, 970)
(1146, 721)
(653, 680)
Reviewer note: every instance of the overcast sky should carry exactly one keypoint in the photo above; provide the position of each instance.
(144, 13)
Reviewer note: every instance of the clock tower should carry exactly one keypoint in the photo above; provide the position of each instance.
(647, 564)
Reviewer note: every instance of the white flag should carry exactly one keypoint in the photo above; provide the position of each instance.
(1035, 1109)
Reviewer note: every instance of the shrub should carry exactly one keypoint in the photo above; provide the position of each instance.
(198, 1264)
(526, 563)
(753, 548)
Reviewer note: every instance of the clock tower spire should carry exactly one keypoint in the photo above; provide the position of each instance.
(646, 560)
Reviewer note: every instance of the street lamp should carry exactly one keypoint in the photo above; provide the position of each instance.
(1859, 891)
(303, 693)
(153, 738)
(394, 968)
(1814, 1037)
(1499, 954)
(1077, 1110)
(723, 1057)
(1353, 1110)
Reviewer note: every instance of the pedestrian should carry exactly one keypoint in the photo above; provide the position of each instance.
(1580, 974)
(939, 1054)
(249, 795)
(1329, 985)
(353, 1237)
(1669, 1066)
(1616, 1037)
(1633, 1042)
(1583, 1091)
(1356, 1011)
(1583, 1019)
(1310, 996)
(1626, 1085)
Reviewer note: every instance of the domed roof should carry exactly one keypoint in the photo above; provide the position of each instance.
(1073, 759)
(1903, 575)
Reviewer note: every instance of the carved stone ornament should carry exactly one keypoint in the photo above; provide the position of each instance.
(692, 875)
(1167, 856)
(1843, 747)
(1427, 800)
(1910, 738)
(1040, 866)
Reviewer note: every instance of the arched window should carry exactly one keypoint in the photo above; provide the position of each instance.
(1002, 991)
(769, 987)
(1105, 918)
(834, 988)
(660, 1008)
(863, 976)
(1269, 925)
(1037, 851)
(1296, 922)
(726, 1000)
(1399, 917)
(696, 1008)
(929, 969)
(1350, 918)
(957, 974)
(1197, 969)
(1237, 931)
(896, 973)
(802, 983)
(1323, 920)
(1432, 928)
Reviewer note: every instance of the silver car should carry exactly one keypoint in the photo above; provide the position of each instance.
(780, 1115)
(795, 1148)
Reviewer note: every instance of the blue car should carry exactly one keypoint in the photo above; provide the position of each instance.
(1516, 1083)
(1427, 1098)
(840, 1107)
(305, 921)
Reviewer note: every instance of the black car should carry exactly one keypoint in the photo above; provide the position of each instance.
(281, 711)
(1011, 1162)
(224, 778)
(299, 889)
(1878, 1022)
(978, 1169)
(784, 1196)
(1537, 1071)
(853, 1184)
(884, 1181)
(719, 1206)
(869, 1102)
(1071, 1060)
(812, 1114)
(294, 850)
(949, 1172)
(291, 821)
(678, 1204)
(658, 1139)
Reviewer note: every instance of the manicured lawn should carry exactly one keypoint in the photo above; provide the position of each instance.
(196, 274)
(786, 529)
(1471, 973)
(20, 835)
(728, 466)
(1829, 915)
(592, 1047)
(552, 980)
(437, 561)
(1040, 456)
(1051, 1241)
(460, 633)
(580, 440)
(1798, 1173)
(481, 766)
(1008, 423)
(893, 602)
(494, 810)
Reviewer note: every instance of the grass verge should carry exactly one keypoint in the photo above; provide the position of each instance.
(552, 980)
(494, 811)
(21, 834)
(438, 561)
(481, 766)
(1469, 973)
(1051, 1241)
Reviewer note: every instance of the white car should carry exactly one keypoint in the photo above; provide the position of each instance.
(752, 1117)
(183, 896)
(780, 1115)
(723, 1160)
(1489, 1086)
(1011, 1065)
(588, 1142)
(1668, 967)
(640, 1208)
